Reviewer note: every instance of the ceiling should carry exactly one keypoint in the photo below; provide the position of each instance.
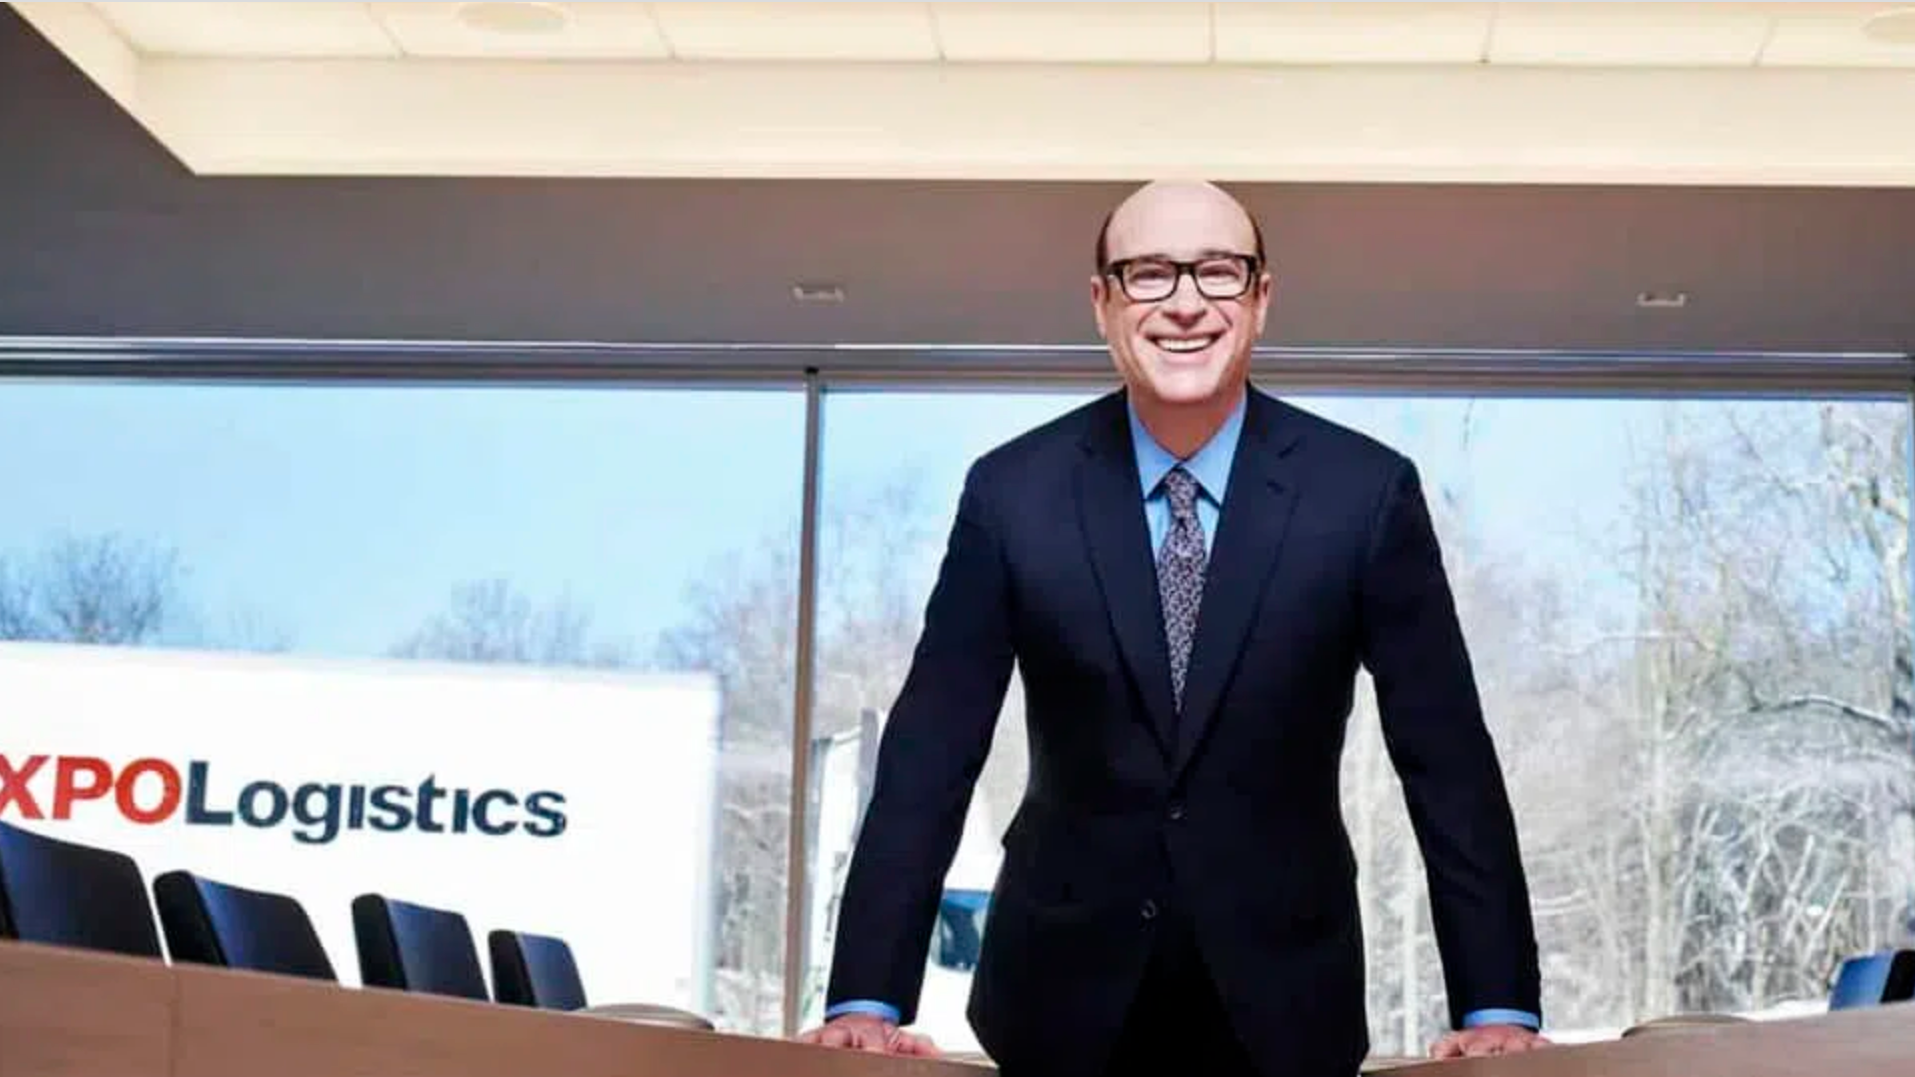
(1605, 92)
(108, 233)
(1736, 34)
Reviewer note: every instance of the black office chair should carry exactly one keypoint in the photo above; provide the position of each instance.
(61, 893)
(214, 923)
(534, 970)
(538, 971)
(1874, 979)
(416, 948)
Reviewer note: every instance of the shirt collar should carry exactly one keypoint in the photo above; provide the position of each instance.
(1209, 465)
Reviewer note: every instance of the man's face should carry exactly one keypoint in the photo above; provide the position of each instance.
(1181, 334)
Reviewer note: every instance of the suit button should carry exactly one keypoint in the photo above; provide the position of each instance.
(1176, 812)
(1149, 911)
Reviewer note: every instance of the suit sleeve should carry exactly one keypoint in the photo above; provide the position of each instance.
(1433, 727)
(934, 746)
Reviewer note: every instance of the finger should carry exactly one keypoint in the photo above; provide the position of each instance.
(843, 1036)
(1447, 1047)
(1492, 1045)
(910, 1043)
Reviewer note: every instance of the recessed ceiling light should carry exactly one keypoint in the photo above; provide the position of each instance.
(1895, 26)
(816, 292)
(518, 19)
(1662, 300)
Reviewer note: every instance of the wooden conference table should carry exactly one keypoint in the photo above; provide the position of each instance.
(67, 1013)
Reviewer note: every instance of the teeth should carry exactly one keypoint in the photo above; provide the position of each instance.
(1190, 344)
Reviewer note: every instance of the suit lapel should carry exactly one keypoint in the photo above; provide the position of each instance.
(1250, 532)
(1111, 511)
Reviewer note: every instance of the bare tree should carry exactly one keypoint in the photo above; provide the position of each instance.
(1763, 750)
(1713, 794)
(105, 589)
(490, 621)
(1514, 615)
(742, 628)
(16, 605)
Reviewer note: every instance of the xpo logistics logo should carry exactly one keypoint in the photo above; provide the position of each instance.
(150, 791)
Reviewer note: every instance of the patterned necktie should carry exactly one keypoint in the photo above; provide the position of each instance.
(1180, 575)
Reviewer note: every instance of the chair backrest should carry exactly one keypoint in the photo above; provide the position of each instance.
(1873, 979)
(534, 970)
(62, 893)
(214, 923)
(416, 948)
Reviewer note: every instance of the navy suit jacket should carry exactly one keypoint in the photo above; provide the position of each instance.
(1324, 560)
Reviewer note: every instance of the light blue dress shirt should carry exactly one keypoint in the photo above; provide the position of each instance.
(1210, 466)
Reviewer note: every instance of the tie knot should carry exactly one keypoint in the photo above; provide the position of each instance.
(1180, 487)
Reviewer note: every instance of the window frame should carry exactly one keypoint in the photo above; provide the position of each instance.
(818, 369)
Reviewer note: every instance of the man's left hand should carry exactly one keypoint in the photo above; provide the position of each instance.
(1487, 1040)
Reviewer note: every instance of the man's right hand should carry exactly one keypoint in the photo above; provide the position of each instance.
(869, 1032)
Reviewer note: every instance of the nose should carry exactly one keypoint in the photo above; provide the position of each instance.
(1185, 302)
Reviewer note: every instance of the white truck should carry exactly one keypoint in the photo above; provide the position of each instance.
(841, 774)
(534, 799)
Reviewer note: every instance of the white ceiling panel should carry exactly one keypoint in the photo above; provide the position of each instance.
(1352, 33)
(798, 31)
(1074, 33)
(1836, 35)
(1629, 33)
(1333, 123)
(249, 30)
(589, 31)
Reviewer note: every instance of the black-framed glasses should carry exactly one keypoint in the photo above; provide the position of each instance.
(1150, 278)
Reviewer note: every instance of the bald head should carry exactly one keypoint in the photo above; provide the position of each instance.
(1161, 204)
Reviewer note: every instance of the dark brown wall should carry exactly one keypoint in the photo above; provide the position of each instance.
(102, 232)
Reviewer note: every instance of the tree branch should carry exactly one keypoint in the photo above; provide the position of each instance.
(1877, 719)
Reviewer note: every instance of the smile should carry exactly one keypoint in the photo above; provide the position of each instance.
(1184, 345)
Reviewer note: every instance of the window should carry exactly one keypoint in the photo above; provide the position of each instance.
(1690, 622)
(893, 463)
(427, 544)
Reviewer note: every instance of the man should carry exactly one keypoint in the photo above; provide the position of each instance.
(1186, 574)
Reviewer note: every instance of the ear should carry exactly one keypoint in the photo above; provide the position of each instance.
(1099, 292)
(1265, 286)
